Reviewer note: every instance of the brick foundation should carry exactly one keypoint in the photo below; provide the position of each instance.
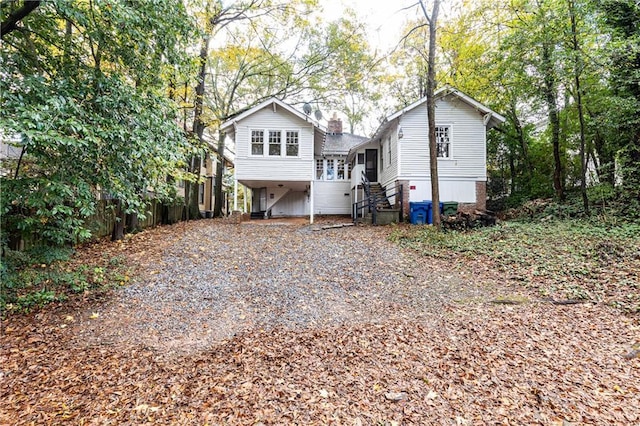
(481, 195)
(405, 197)
(481, 200)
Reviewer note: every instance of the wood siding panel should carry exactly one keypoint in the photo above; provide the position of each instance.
(468, 141)
(330, 198)
(389, 172)
(294, 203)
(460, 190)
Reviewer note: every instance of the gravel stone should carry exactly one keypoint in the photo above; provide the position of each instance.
(219, 280)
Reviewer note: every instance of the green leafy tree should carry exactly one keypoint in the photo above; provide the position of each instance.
(622, 119)
(84, 89)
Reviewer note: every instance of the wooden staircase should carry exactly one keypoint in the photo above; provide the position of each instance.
(382, 202)
(382, 213)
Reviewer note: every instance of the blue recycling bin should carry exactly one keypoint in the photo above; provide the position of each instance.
(419, 212)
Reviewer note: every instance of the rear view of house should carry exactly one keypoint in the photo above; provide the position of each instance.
(296, 167)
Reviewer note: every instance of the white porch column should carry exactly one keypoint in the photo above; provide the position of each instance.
(246, 194)
(311, 206)
(235, 194)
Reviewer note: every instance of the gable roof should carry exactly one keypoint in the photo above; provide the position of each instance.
(448, 90)
(264, 104)
(494, 119)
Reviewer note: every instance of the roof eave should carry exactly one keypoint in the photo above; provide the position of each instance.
(263, 104)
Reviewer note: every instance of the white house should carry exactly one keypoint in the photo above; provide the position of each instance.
(398, 153)
(293, 166)
(296, 167)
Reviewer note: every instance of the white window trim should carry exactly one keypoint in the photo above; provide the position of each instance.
(451, 142)
(283, 142)
(325, 174)
(268, 134)
(265, 144)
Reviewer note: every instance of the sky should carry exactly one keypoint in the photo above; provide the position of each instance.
(385, 19)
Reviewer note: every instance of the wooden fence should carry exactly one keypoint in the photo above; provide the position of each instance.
(102, 222)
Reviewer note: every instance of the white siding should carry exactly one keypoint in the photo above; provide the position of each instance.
(468, 141)
(389, 171)
(294, 203)
(332, 197)
(460, 190)
(249, 167)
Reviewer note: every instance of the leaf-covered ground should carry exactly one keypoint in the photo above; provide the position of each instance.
(281, 324)
(564, 259)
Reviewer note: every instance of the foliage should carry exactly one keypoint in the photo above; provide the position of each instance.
(576, 259)
(522, 58)
(33, 278)
(84, 90)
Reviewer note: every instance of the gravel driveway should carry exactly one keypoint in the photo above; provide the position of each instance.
(218, 280)
(273, 324)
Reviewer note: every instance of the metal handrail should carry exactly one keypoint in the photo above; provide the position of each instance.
(371, 202)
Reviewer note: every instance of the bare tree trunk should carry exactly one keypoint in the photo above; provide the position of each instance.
(550, 95)
(218, 202)
(577, 71)
(431, 109)
(193, 208)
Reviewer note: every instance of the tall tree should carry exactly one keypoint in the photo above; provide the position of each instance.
(84, 90)
(577, 74)
(215, 17)
(622, 17)
(432, 21)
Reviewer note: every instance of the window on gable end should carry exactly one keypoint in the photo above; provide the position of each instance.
(275, 142)
(292, 142)
(257, 142)
(443, 141)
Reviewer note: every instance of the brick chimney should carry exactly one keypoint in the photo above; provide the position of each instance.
(334, 125)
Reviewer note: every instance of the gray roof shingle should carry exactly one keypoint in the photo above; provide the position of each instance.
(341, 143)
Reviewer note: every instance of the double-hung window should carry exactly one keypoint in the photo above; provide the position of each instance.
(331, 172)
(443, 141)
(275, 142)
(292, 143)
(257, 142)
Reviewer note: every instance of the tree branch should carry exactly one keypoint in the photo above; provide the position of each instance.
(11, 23)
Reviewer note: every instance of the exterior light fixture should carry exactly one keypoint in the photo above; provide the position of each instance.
(400, 134)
